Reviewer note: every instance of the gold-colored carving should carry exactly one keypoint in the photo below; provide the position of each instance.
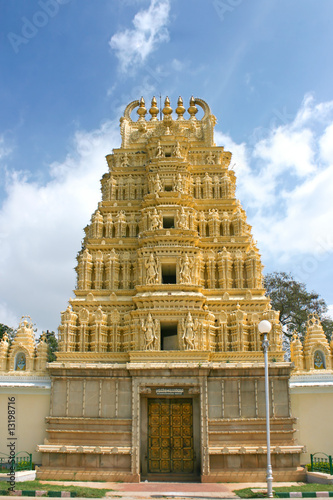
(169, 294)
(170, 436)
(316, 353)
(24, 355)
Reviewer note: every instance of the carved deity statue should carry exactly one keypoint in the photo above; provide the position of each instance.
(182, 219)
(177, 151)
(108, 224)
(150, 331)
(156, 222)
(186, 270)
(188, 335)
(214, 221)
(214, 214)
(157, 184)
(179, 184)
(152, 270)
(20, 362)
(159, 152)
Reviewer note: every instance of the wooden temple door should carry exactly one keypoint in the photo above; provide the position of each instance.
(170, 436)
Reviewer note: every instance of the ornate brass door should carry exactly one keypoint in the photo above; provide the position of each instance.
(170, 436)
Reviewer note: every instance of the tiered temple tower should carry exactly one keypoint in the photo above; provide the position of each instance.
(160, 370)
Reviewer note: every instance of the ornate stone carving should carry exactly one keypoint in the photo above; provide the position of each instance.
(152, 270)
(158, 186)
(149, 327)
(121, 224)
(178, 184)
(182, 219)
(176, 150)
(186, 268)
(156, 220)
(206, 243)
(188, 332)
(214, 222)
(124, 162)
(159, 151)
(210, 159)
(108, 225)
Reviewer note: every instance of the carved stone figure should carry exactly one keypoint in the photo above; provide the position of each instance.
(157, 184)
(159, 152)
(152, 270)
(177, 151)
(182, 219)
(179, 184)
(149, 329)
(188, 335)
(214, 214)
(108, 226)
(186, 270)
(20, 362)
(156, 222)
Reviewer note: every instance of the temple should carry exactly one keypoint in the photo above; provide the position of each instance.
(160, 372)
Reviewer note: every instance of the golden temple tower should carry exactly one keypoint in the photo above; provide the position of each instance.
(160, 372)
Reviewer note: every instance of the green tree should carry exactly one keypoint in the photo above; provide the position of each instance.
(295, 303)
(7, 329)
(52, 342)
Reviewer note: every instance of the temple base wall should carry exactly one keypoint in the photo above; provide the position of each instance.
(150, 420)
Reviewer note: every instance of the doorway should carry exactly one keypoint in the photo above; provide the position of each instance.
(170, 437)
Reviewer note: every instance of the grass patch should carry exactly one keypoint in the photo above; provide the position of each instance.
(248, 493)
(81, 491)
(305, 487)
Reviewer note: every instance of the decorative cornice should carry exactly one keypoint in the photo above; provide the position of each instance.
(92, 450)
(254, 450)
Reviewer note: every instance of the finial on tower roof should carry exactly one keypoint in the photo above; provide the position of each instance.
(192, 109)
(142, 110)
(154, 109)
(167, 110)
(180, 109)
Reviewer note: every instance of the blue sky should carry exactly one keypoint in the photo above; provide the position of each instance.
(68, 69)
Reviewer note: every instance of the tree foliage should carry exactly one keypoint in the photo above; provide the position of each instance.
(52, 342)
(7, 329)
(295, 303)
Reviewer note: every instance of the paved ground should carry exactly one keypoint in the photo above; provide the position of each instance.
(152, 490)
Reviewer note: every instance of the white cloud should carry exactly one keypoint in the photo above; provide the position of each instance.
(287, 150)
(133, 46)
(326, 144)
(42, 227)
(285, 181)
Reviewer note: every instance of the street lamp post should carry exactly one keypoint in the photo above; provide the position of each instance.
(265, 327)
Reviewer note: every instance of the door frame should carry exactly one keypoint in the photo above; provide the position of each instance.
(144, 437)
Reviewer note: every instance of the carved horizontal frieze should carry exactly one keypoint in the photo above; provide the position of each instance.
(100, 450)
(236, 450)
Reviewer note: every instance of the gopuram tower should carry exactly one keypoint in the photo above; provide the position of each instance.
(160, 373)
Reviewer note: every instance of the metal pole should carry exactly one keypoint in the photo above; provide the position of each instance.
(269, 476)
